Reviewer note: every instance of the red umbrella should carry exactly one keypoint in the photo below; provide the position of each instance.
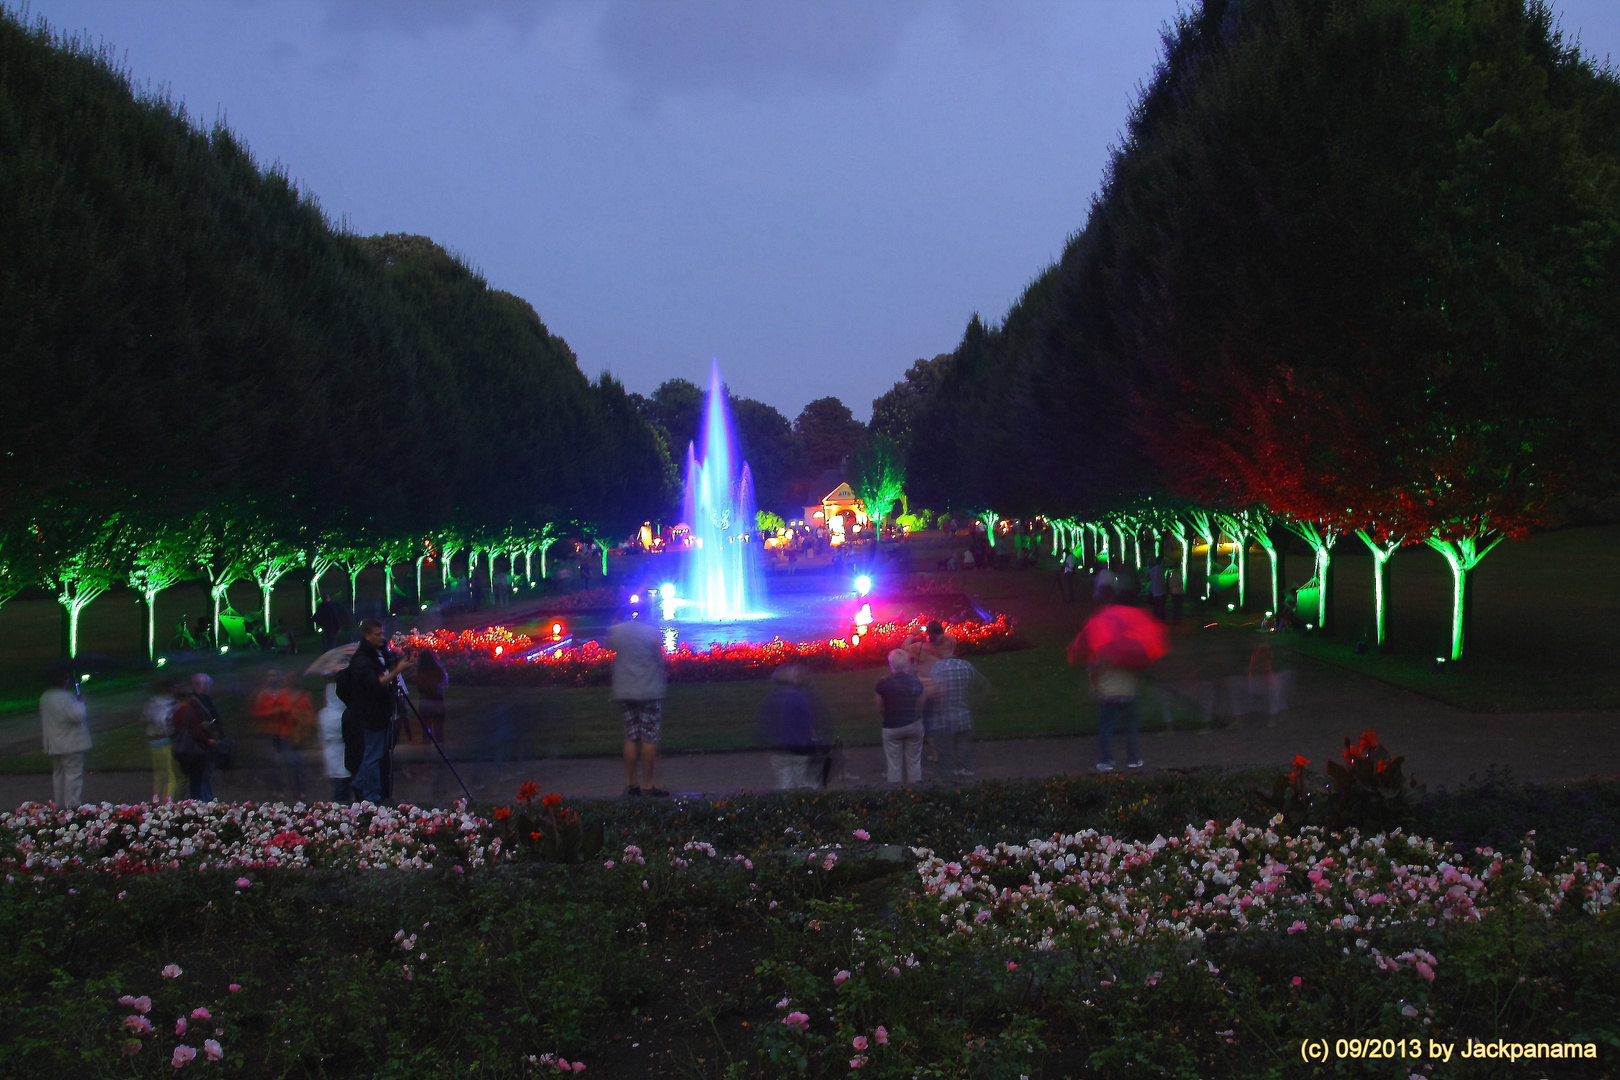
(1122, 637)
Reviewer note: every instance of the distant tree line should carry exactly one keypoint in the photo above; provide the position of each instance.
(196, 360)
(1355, 268)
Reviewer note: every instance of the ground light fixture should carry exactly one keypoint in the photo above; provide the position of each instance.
(85, 677)
(162, 660)
(863, 585)
(1439, 667)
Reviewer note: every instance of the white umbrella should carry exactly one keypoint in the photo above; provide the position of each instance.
(333, 661)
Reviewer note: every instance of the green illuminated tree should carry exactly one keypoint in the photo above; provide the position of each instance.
(451, 542)
(84, 557)
(880, 477)
(269, 554)
(322, 557)
(354, 557)
(161, 556)
(219, 540)
(767, 522)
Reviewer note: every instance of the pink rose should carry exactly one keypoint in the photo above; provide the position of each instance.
(1297, 927)
(180, 1026)
(182, 1055)
(139, 1025)
(859, 1042)
(200, 1013)
(234, 987)
(243, 883)
(172, 971)
(840, 977)
(882, 1035)
(857, 1063)
(132, 1047)
(1296, 981)
(1012, 966)
(797, 1019)
(212, 1048)
(1425, 970)
(142, 1004)
(862, 834)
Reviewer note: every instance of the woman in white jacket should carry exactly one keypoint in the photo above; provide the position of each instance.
(331, 724)
(66, 731)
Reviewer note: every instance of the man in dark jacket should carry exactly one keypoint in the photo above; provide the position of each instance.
(373, 704)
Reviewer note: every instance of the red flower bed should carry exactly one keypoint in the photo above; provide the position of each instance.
(496, 656)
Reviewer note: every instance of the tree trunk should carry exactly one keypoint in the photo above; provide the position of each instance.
(1279, 569)
(149, 627)
(1240, 554)
(1325, 594)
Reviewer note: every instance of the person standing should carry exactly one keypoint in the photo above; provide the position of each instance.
(328, 620)
(1178, 590)
(330, 720)
(373, 707)
(274, 714)
(1115, 688)
(1103, 584)
(1067, 575)
(430, 680)
(787, 725)
(157, 718)
(65, 727)
(1158, 586)
(948, 717)
(639, 684)
(899, 697)
(195, 725)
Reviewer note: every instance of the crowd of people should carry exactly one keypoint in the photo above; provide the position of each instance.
(922, 707)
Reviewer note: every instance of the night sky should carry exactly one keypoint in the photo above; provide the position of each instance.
(816, 193)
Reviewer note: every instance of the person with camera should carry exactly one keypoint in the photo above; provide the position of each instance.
(374, 695)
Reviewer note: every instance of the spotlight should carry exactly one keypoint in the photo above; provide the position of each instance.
(162, 660)
(863, 585)
(666, 591)
(635, 598)
(85, 677)
(1439, 667)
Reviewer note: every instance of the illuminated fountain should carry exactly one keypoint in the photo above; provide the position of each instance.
(723, 581)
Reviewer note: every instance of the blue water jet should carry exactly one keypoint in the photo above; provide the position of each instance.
(722, 574)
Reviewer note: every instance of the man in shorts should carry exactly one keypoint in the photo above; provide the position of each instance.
(639, 683)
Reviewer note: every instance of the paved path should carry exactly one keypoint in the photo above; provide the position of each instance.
(1443, 746)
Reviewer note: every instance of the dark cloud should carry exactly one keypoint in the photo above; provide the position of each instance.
(750, 48)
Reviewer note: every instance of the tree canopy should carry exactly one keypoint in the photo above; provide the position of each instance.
(182, 329)
(1359, 255)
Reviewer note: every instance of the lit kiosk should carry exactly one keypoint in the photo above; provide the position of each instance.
(840, 512)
